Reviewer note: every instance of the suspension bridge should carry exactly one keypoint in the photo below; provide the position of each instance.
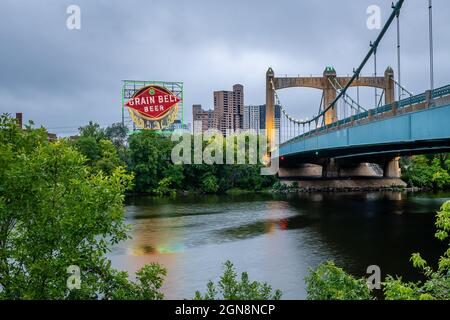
(347, 144)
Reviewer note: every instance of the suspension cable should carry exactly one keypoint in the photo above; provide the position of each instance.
(430, 12)
(356, 73)
(403, 88)
(398, 58)
(346, 96)
(375, 75)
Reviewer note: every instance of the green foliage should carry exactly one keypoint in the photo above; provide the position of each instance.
(109, 159)
(149, 280)
(89, 147)
(230, 288)
(209, 183)
(431, 172)
(100, 155)
(441, 179)
(437, 283)
(164, 187)
(396, 289)
(150, 161)
(117, 133)
(329, 282)
(92, 130)
(101, 147)
(279, 186)
(56, 212)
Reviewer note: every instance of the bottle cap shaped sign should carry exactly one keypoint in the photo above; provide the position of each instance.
(153, 102)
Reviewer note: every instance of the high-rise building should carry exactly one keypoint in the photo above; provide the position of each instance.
(204, 117)
(254, 117)
(238, 106)
(228, 109)
(251, 118)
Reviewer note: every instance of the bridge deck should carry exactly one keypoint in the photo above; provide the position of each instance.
(411, 125)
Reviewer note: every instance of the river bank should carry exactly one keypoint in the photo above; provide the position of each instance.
(347, 190)
(283, 190)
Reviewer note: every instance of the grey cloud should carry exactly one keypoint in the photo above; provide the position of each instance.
(63, 79)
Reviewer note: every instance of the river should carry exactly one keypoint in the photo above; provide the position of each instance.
(276, 238)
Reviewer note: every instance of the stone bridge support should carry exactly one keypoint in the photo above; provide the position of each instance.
(391, 168)
(344, 174)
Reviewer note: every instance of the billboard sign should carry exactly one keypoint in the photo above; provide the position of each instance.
(153, 106)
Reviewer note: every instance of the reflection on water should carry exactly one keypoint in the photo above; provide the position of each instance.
(276, 238)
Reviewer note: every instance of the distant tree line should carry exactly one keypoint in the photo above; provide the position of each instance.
(147, 155)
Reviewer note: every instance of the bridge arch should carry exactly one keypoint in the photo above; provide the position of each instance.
(327, 83)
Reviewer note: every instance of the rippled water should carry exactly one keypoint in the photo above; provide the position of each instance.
(276, 238)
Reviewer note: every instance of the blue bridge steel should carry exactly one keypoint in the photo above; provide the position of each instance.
(351, 141)
(419, 124)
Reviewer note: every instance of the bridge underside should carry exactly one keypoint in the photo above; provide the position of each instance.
(367, 154)
(372, 153)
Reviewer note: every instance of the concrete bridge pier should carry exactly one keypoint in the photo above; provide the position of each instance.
(303, 170)
(333, 168)
(330, 169)
(340, 174)
(391, 168)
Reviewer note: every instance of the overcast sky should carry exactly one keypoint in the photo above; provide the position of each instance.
(63, 78)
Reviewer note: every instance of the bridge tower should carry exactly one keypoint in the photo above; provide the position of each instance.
(328, 83)
(329, 94)
(270, 108)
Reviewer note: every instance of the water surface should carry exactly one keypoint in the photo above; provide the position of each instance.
(276, 238)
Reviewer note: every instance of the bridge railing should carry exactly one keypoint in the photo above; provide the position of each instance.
(421, 98)
(441, 92)
(417, 99)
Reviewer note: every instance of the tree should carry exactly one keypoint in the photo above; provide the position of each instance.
(92, 130)
(109, 159)
(329, 282)
(230, 288)
(101, 155)
(417, 172)
(209, 183)
(437, 283)
(430, 172)
(440, 177)
(150, 161)
(56, 212)
(90, 148)
(117, 133)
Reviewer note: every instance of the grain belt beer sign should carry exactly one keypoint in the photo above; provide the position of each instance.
(153, 107)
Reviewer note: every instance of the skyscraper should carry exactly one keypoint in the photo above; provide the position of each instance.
(238, 105)
(251, 118)
(203, 117)
(254, 117)
(228, 109)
